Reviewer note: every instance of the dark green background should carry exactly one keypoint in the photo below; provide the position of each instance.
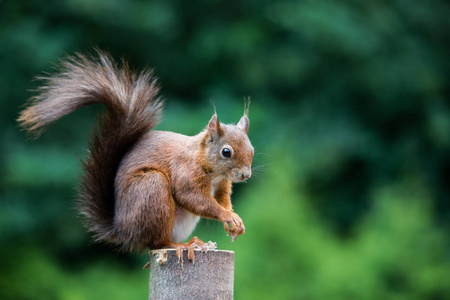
(350, 119)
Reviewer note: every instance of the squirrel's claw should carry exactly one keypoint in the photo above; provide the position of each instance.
(233, 237)
(234, 226)
(179, 252)
(194, 243)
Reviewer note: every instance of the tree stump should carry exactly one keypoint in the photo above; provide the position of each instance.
(210, 277)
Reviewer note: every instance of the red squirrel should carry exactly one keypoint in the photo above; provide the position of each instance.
(143, 188)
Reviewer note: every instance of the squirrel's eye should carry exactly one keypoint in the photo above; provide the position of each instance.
(226, 152)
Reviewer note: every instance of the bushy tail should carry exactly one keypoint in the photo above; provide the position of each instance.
(132, 108)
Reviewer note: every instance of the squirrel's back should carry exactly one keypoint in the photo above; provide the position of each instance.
(165, 151)
(132, 109)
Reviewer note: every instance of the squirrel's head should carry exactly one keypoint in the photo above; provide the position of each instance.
(228, 150)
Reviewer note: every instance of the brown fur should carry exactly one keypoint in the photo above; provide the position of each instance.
(139, 183)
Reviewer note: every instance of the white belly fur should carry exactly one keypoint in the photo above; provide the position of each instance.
(215, 184)
(185, 223)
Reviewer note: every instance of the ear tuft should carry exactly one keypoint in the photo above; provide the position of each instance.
(247, 106)
(243, 124)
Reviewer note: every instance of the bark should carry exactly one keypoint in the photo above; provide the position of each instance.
(210, 277)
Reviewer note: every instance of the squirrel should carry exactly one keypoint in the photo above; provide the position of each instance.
(143, 188)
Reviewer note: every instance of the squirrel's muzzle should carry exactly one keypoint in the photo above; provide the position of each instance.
(242, 174)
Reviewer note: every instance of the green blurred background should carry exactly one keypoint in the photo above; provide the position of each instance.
(350, 119)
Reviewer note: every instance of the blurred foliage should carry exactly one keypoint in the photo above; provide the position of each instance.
(350, 120)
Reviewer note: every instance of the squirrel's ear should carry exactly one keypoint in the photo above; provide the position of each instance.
(243, 124)
(214, 128)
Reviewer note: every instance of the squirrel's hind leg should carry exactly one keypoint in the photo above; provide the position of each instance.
(145, 211)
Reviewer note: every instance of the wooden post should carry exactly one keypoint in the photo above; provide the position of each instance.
(210, 277)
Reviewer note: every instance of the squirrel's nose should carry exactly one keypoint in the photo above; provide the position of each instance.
(246, 174)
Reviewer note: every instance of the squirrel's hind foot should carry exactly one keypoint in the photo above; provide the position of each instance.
(194, 243)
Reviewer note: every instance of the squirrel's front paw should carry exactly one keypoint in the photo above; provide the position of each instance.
(233, 225)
